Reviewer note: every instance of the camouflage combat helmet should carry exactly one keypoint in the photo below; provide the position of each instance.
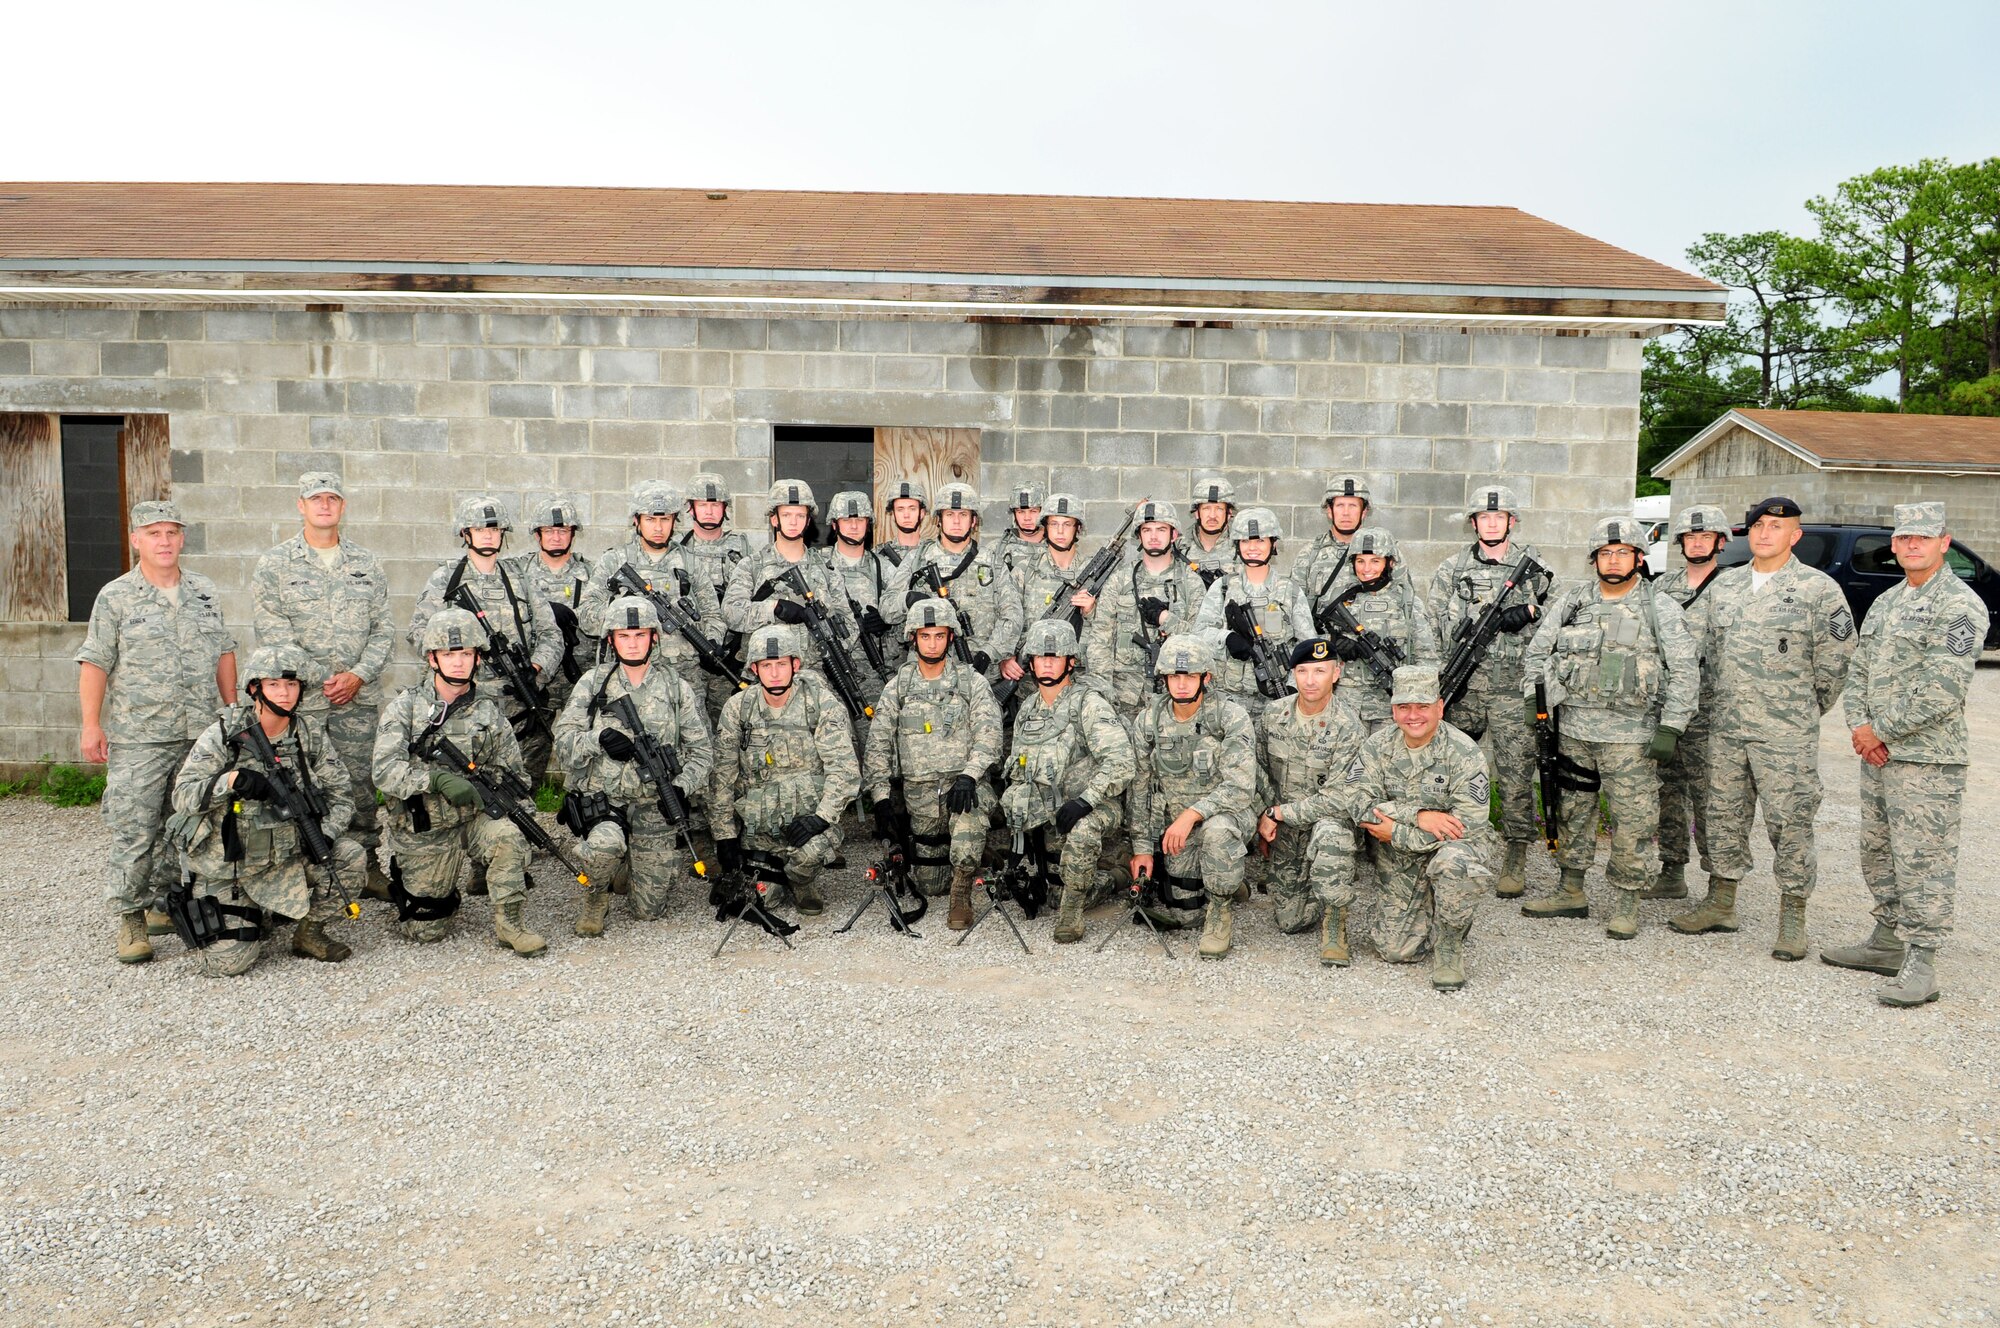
(1049, 636)
(1375, 540)
(1063, 504)
(656, 498)
(1030, 494)
(849, 503)
(907, 489)
(1492, 498)
(482, 512)
(630, 613)
(708, 487)
(276, 662)
(453, 629)
(1154, 510)
(1255, 523)
(1211, 489)
(1184, 652)
(958, 494)
(1701, 517)
(556, 512)
(1617, 530)
(772, 641)
(790, 493)
(931, 612)
(1346, 486)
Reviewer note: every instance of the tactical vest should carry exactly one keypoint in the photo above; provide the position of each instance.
(933, 729)
(778, 771)
(1607, 653)
(1186, 758)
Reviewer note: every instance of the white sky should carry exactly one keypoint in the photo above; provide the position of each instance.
(1641, 125)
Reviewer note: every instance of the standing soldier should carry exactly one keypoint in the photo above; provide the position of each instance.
(666, 569)
(784, 770)
(859, 572)
(157, 649)
(1155, 595)
(1619, 671)
(617, 806)
(1207, 550)
(1067, 772)
(1782, 634)
(936, 733)
(1192, 800)
(971, 578)
(909, 509)
(1276, 605)
(710, 548)
(326, 596)
(1024, 535)
(1490, 711)
(1383, 602)
(436, 816)
(1303, 742)
(1418, 792)
(557, 574)
(240, 845)
(1044, 578)
(760, 588)
(1701, 532)
(1325, 568)
(1906, 708)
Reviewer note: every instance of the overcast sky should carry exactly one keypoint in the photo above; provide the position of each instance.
(1644, 125)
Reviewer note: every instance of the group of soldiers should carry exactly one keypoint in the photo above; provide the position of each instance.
(1172, 722)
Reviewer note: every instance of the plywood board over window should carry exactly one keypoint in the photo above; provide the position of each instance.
(932, 457)
(142, 451)
(32, 581)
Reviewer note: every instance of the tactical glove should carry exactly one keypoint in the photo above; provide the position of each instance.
(1665, 743)
(729, 853)
(1240, 646)
(789, 611)
(250, 786)
(456, 789)
(616, 745)
(962, 796)
(885, 821)
(804, 829)
(1151, 610)
(873, 623)
(1347, 646)
(1515, 617)
(1070, 813)
(981, 661)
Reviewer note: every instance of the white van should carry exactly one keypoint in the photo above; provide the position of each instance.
(1655, 513)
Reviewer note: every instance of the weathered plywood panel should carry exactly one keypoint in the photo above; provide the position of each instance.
(144, 465)
(32, 585)
(931, 456)
(1740, 452)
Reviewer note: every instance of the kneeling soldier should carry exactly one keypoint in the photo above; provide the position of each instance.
(784, 769)
(1304, 740)
(612, 801)
(435, 814)
(1191, 800)
(936, 731)
(239, 840)
(1071, 762)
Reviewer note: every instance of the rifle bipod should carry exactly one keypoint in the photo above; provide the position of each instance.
(887, 878)
(999, 888)
(1139, 890)
(748, 902)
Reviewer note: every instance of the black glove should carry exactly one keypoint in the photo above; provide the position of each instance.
(962, 796)
(1346, 646)
(616, 745)
(789, 611)
(804, 829)
(1150, 610)
(729, 854)
(981, 661)
(873, 623)
(884, 813)
(1515, 617)
(565, 618)
(715, 647)
(1240, 646)
(250, 786)
(1070, 813)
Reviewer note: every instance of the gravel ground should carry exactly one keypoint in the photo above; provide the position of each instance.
(1677, 1130)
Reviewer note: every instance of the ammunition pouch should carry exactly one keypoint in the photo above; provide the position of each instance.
(202, 920)
(418, 908)
(581, 813)
(420, 813)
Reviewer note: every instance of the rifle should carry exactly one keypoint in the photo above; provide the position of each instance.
(833, 659)
(1141, 894)
(566, 623)
(511, 662)
(1274, 679)
(627, 581)
(740, 896)
(1555, 772)
(1381, 656)
(958, 646)
(662, 767)
(502, 792)
(1026, 887)
(1090, 581)
(304, 806)
(1474, 638)
(892, 880)
(871, 645)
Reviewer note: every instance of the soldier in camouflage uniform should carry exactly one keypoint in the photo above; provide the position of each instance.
(1490, 711)
(328, 596)
(1622, 681)
(513, 609)
(157, 650)
(1700, 531)
(974, 580)
(1325, 569)
(1192, 801)
(757, 596)
(1305, 741)
(784, 770)
(1207, 549)
(1153, 595)
(1418, 792)
(1067, 771)
(1386, 604)
(935, 735)
(1277, 605)
(851, 519)
(1024, 535)
(1045, 580)
(1906, 708)
(1780, 638)
(555, 572)
(909, 510)
(667, 569)
(236, 842)
(710, 548)
(617, 804)
(434, 817)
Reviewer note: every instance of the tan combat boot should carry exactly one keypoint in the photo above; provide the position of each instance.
(1333, 952)
(960, 916)
(1916, 984)
(310, 941)
(133, 947)
(1217, 928)
(1881, 953)
(1715, 913)
(1624, 924)
(377, 884)
(158, 923)
(1513, 871)
(1791, 946)
(1069, 916)
(590, 917)
(1568, 901)
(1447, 957)
(806, 897)
(1671, 883)
(509, 933)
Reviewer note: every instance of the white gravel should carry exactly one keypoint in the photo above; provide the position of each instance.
(1678, 1130)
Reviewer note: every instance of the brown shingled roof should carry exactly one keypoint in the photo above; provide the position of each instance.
(1865, 438)
(1032, 236)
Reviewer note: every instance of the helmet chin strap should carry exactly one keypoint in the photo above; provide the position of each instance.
(256, 689)
(1494, 543)
(635, 663)
(1253, 562)
(769, 690)
(1702, 561)
(1069, 667)
(705, 525)
(1617, 580)
(465, 682)
(841, 535)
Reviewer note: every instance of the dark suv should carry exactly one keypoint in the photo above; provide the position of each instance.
(1858, 557)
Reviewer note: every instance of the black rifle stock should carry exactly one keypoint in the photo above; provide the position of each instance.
(1274, 679)
(305, 807)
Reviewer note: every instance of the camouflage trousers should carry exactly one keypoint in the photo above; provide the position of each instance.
(1784, 779)
(1214, 856)
(138, 790)
(1303, 871)
(802, 865)
(1080, 854)
(430, 863)
(536, 746)
(1419, 891)
(959, 839)
(352, 729)
(233, 958)
(1509, 743)
(1631, 801)
(652, 854)
(1684, 799)
(1909, 846)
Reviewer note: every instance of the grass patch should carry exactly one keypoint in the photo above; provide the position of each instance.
(13, 787)
(71, 786)
(547, 798)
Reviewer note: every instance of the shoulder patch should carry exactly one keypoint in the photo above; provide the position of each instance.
(1841, 625)
(1355, 769)
(1480, 788)
(1959, 636)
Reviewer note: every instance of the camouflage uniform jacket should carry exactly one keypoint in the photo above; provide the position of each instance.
(515, 611)
(1076, 748)
(1780, 653)
(160, 656)
(670, 709)
(1694, 604)
(986, 596)
(473, 723)
(202, 804)
(564, 585)
(1109, 651)
(1042, 586)
(1301, 753)
(1616, 669)
(669, 573)
(754, 592)
(1012, 551)
(931, 729)
(773, 765)
(1278, 606)
(1460, 591)
(1208, 564)
(338, 616)
(1913, 667)
(713, 560)
(1396, 614)
(1322, 556)
(1446, 774)
(1208, 763)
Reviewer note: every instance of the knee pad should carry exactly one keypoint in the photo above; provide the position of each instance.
(418, 908)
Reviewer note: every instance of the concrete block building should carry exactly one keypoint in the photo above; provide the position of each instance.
(214, 341)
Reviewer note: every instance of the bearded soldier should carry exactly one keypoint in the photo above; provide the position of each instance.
(851, 517)
(1192, 799)
(761, 590)
(1274, 602)
(936, 733)
(1490, 711)
(711, 549)
(239, 845)
(617, 807)
(1386, 606)
(1067, 771)
(1207, 549)
(435, 816)
(555, 572)
(1024, 535)
(1701, 532)
(1147, 599)
(667, 569)
(1622, 681)
(972, 579)
(1044, 578)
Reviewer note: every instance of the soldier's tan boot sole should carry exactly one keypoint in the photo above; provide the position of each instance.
(158, 923)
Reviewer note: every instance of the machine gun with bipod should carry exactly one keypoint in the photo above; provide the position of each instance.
(740, 897)
(1021, 880)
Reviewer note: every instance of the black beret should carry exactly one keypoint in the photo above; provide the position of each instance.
(1772, 507)
(1311, 649)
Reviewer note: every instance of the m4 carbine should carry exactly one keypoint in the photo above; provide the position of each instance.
(833, 658)
(1475, 636)
(502, 793)
(304, 806)
(1274, 678)
(1381, 656)
(627, 581)
(1089, 581)
(510, 661)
